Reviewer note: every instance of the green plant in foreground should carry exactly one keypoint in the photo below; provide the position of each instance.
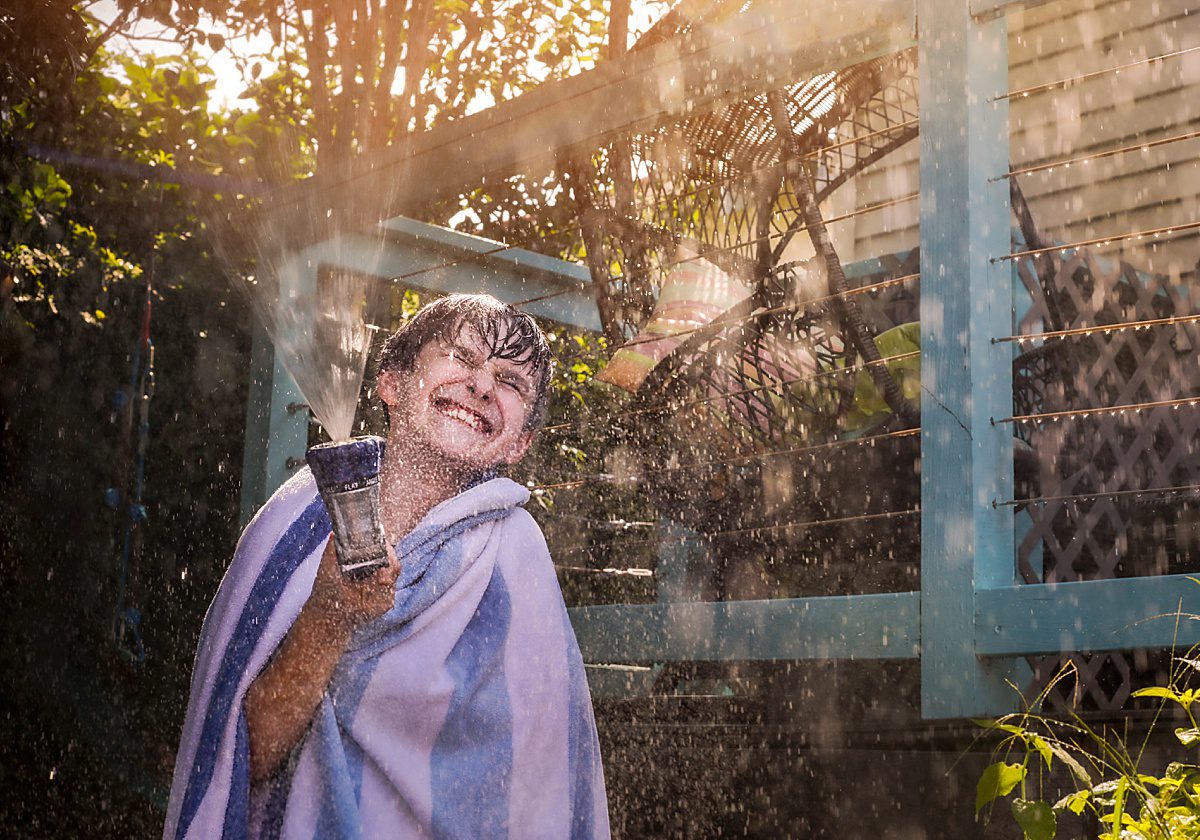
(1110, 782)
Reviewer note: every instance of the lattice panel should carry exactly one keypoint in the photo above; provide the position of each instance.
(717, 180)
(1116, 535)
(1107, 453)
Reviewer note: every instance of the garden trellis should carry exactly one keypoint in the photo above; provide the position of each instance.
(1049, 393)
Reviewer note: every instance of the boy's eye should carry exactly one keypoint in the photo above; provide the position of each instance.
(465, 357)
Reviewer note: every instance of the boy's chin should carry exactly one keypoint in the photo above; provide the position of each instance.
(469, 462)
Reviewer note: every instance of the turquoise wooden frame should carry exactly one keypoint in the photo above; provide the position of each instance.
(971, 624)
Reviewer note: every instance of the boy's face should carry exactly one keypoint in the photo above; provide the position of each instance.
(461, 404)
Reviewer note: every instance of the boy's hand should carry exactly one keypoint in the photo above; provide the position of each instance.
(280, 702)
(346, 604)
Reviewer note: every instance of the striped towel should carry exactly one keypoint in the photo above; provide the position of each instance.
(461, 713)
(694, 294)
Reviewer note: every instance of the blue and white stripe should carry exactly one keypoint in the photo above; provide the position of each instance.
(462, 713)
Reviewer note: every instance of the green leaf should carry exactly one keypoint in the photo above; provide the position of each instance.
(1178, 770)
(1078, 769)
(1003, 727)
(1036, 819)
(246, 121)
(997, 780)
(1043, 749)
(1157, 691)
(1074, 802)
(1188, 737)
(1119, 801)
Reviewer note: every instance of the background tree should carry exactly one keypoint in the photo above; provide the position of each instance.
(369, 73)
(108, 172)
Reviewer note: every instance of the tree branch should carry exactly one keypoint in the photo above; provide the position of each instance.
(316, 47)
(384, 105)
(110, 30)
(415, 57)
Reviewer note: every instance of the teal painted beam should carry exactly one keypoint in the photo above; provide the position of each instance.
(457, 245)
(258, 409)
(835, 627)
(455, 262)
(966, 461)
(1094, 615)
(276, 415)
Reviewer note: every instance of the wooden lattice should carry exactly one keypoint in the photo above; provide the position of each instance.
(719, 181)
(1123, 534)
(1108, 452)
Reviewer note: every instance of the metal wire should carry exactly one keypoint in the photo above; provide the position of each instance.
(870, 208)
(1109, 409)
(606, 571)
(737, 532)
(1094, 74)
(775, 310)
(768, 237)
(839, 520)
(778, 384)
(598, 478)
(721, 250)
(1103, 328)
(1182, 488)
(1103, 240)
(618, 524)
(1191, 135)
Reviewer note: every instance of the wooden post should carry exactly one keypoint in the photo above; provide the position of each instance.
(276, 417)
(966, 463)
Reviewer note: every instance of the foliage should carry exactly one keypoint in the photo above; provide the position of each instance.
(868, 406)
(1129, 801)
(361, 77)
(39, 39)
(103, 189)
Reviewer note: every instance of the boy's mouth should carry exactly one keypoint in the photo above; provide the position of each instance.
(461, 413)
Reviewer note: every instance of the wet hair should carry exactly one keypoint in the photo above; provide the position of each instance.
(506, 331)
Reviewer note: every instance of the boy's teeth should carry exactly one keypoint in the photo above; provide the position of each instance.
(468, 417)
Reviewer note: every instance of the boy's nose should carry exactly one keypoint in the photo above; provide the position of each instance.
(481, 385)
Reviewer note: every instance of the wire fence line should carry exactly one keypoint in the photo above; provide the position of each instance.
(869, 440)
(1083, 77)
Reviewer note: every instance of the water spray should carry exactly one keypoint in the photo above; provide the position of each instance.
(347, 474)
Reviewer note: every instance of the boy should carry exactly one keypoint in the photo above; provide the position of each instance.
(444, 696)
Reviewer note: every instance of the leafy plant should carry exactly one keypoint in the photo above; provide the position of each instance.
(1130, 801)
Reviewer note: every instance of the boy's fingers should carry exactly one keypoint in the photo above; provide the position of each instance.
(393, 566)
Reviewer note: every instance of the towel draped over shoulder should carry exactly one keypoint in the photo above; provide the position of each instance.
(461, 713)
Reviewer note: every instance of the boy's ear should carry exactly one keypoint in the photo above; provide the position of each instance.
(386, 385)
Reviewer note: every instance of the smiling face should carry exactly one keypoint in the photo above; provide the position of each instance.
(461, 404)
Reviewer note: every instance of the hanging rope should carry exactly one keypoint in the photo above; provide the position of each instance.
(127, 617)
